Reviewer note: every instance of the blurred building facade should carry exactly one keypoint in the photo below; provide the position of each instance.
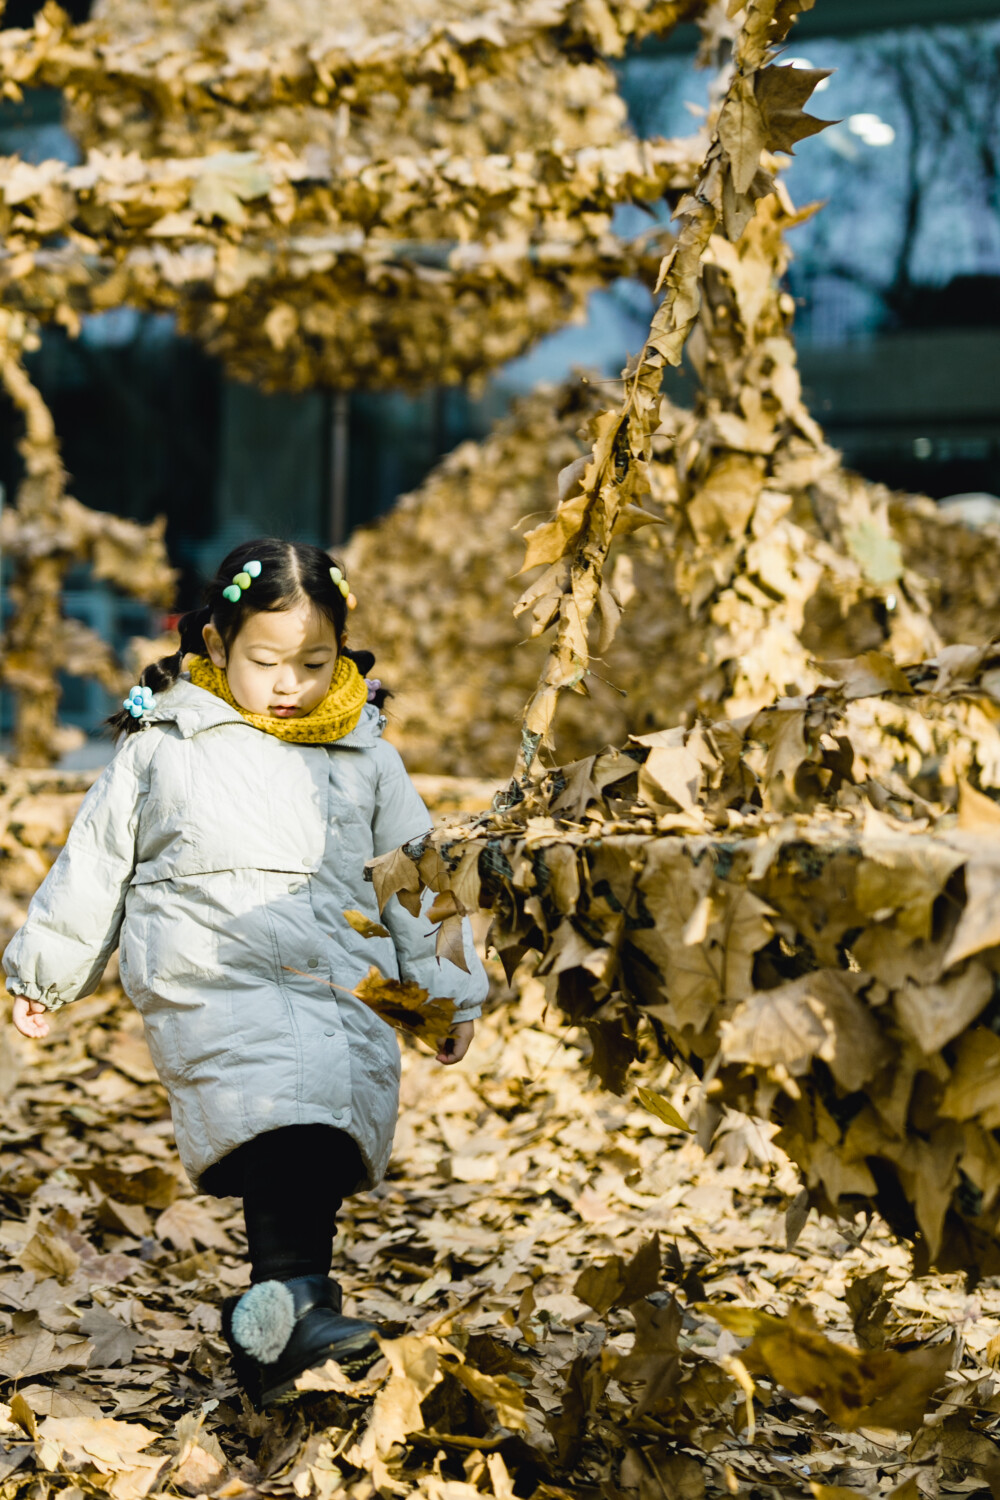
(897, 285)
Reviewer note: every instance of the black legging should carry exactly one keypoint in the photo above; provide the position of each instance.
(292, 1182)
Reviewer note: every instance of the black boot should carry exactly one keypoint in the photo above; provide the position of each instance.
(280, 1329)
(246, 1370)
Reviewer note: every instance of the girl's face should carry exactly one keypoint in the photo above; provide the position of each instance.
(281, 663)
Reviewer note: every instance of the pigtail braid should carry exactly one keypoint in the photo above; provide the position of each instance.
(161, 675)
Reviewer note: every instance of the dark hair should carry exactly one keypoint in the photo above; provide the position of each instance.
(289, 573)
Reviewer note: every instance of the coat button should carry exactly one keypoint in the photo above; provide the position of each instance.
(314, 962)
(295, 886)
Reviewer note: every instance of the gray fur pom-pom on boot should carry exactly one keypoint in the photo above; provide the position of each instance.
(279, 1329)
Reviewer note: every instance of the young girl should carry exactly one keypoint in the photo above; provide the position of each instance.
(222, 848)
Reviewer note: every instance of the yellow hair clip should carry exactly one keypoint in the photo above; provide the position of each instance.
(344, 587)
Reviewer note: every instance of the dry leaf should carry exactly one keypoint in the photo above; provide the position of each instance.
(114, 1343)
(889, 1389)
(407, 1006)
(657, 1105)
(364, 925)
(187, 1224)
(46, 1254)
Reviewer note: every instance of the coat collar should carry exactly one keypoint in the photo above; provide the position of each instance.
(193, 709)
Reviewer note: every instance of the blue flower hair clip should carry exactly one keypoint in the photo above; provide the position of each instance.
(140, 701)
(241, 582)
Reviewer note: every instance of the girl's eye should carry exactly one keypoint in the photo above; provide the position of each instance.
(266, 664)
(315, 666)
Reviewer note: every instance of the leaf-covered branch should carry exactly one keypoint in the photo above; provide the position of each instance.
(326, 310)
(761, 111)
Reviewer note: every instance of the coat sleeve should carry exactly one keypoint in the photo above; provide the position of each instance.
(400, 815)
(75, 916)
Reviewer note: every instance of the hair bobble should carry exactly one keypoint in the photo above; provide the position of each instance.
(344, 587)
(140, 701)
(241, 582)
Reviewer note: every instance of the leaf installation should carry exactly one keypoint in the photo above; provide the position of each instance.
(433, 207)
(765, 922)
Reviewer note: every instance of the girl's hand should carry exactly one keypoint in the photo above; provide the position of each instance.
(29, 1017)
(457, 1044)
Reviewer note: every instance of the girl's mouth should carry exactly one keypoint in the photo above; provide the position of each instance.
(284, 711)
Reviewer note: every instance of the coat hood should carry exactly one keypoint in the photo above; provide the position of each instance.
(193, 709)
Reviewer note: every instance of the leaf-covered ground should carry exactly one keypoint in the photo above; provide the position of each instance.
(514, 1186)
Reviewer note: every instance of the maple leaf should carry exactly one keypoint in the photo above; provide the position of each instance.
(33, 1350)
(889, 1388)
(654, 1359)
(225, 182)
(619, 1284)
(406, 1005)
(187, 1224)
(114, 1342)
(395, 874)
(780, 92)
(49, 1255)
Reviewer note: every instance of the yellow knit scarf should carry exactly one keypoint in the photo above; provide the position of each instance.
(330, 720)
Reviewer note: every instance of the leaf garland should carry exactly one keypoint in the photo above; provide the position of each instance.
(446, 47)
(549, 194)
(296, 273)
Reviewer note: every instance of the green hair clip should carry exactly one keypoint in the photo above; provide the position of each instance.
(241, 582)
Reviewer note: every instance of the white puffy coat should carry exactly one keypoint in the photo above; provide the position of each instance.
(221, 858)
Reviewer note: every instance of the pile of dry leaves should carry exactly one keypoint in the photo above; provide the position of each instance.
(576, 1301)
(821, 554)
(440, 583)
